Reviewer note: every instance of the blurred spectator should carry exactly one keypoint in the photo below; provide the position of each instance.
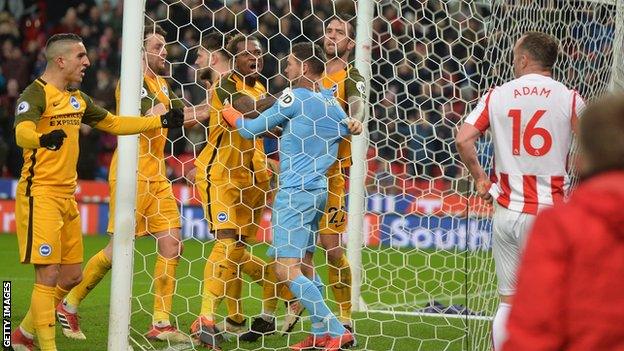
(69, 23)
(15, 65)
(420, 135)
(104, 92)
(9, 30)
(11, 159)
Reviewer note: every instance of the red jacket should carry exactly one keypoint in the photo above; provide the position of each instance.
(570, 293)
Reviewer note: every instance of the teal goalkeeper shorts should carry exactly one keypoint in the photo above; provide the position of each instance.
(296, 214)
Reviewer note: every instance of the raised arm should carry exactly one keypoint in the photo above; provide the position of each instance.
(276, 115)
(248, 127)
(251, 108)
(101, 119)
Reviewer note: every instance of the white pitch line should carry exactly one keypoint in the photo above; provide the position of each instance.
(434, 315)
(420, 302)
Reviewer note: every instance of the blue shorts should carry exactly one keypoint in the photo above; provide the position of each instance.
(295, 218)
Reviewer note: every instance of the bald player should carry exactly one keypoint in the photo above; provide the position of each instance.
(47, 122)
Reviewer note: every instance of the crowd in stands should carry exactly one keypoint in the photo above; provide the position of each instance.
(430, 64)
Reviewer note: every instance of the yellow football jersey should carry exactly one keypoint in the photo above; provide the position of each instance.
(151, 163)
(227, 155)
(46, 171)
(345, 83)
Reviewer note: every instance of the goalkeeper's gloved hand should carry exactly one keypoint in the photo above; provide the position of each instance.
(53, 140)
(172, 119)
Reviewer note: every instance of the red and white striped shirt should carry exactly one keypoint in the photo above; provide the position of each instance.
(531, 121)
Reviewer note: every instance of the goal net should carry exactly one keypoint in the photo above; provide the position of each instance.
(427, 274)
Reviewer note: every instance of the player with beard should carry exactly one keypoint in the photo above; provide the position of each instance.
(348, 86)
(156, 208)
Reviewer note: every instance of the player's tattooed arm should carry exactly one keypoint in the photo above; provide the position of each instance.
(250, 108)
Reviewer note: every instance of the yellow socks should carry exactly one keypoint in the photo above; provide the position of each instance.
(340, 283)
(221, 267)
(59, 294)
(94, 271)
(233, 301)
(269, 290)
(42, 309)
(164, 287)
(27, 324)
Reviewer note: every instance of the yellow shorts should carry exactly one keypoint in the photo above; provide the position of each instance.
(334, 220)
(156, 208)
(48, 230)
(228, 205)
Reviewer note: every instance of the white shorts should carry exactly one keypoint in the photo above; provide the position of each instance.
(509, 233)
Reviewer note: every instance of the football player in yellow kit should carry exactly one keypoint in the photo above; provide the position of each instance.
(233, 181)
(47, 122)
(348, 85)
(156, 209)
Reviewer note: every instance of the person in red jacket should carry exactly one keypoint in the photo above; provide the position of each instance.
(570, 292)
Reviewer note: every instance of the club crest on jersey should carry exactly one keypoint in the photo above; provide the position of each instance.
(164, 90)
(45, 250)
(334, 89)
(222, 217)
(74, 102)
(361, 87)
(22, 107)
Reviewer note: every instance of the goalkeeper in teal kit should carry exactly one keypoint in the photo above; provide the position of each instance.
(313, 124)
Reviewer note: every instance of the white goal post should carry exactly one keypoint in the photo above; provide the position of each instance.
(123, 245)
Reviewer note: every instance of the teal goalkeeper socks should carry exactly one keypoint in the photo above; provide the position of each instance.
(310, 296)
(318, 325)
(319, 284)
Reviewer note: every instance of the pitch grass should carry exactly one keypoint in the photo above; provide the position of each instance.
(401, 278)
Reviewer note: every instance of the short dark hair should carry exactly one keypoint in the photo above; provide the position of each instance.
(216, 42)
(153, 28)
(542, 47)
(600, 133)
(232, 45)
(50, 53)
(350, 20)
(312, 54)
(63, 37)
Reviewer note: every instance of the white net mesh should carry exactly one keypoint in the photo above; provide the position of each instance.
(428, 278)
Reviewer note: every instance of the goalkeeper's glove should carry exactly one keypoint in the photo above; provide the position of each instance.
(172, 119)
(53, 140)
